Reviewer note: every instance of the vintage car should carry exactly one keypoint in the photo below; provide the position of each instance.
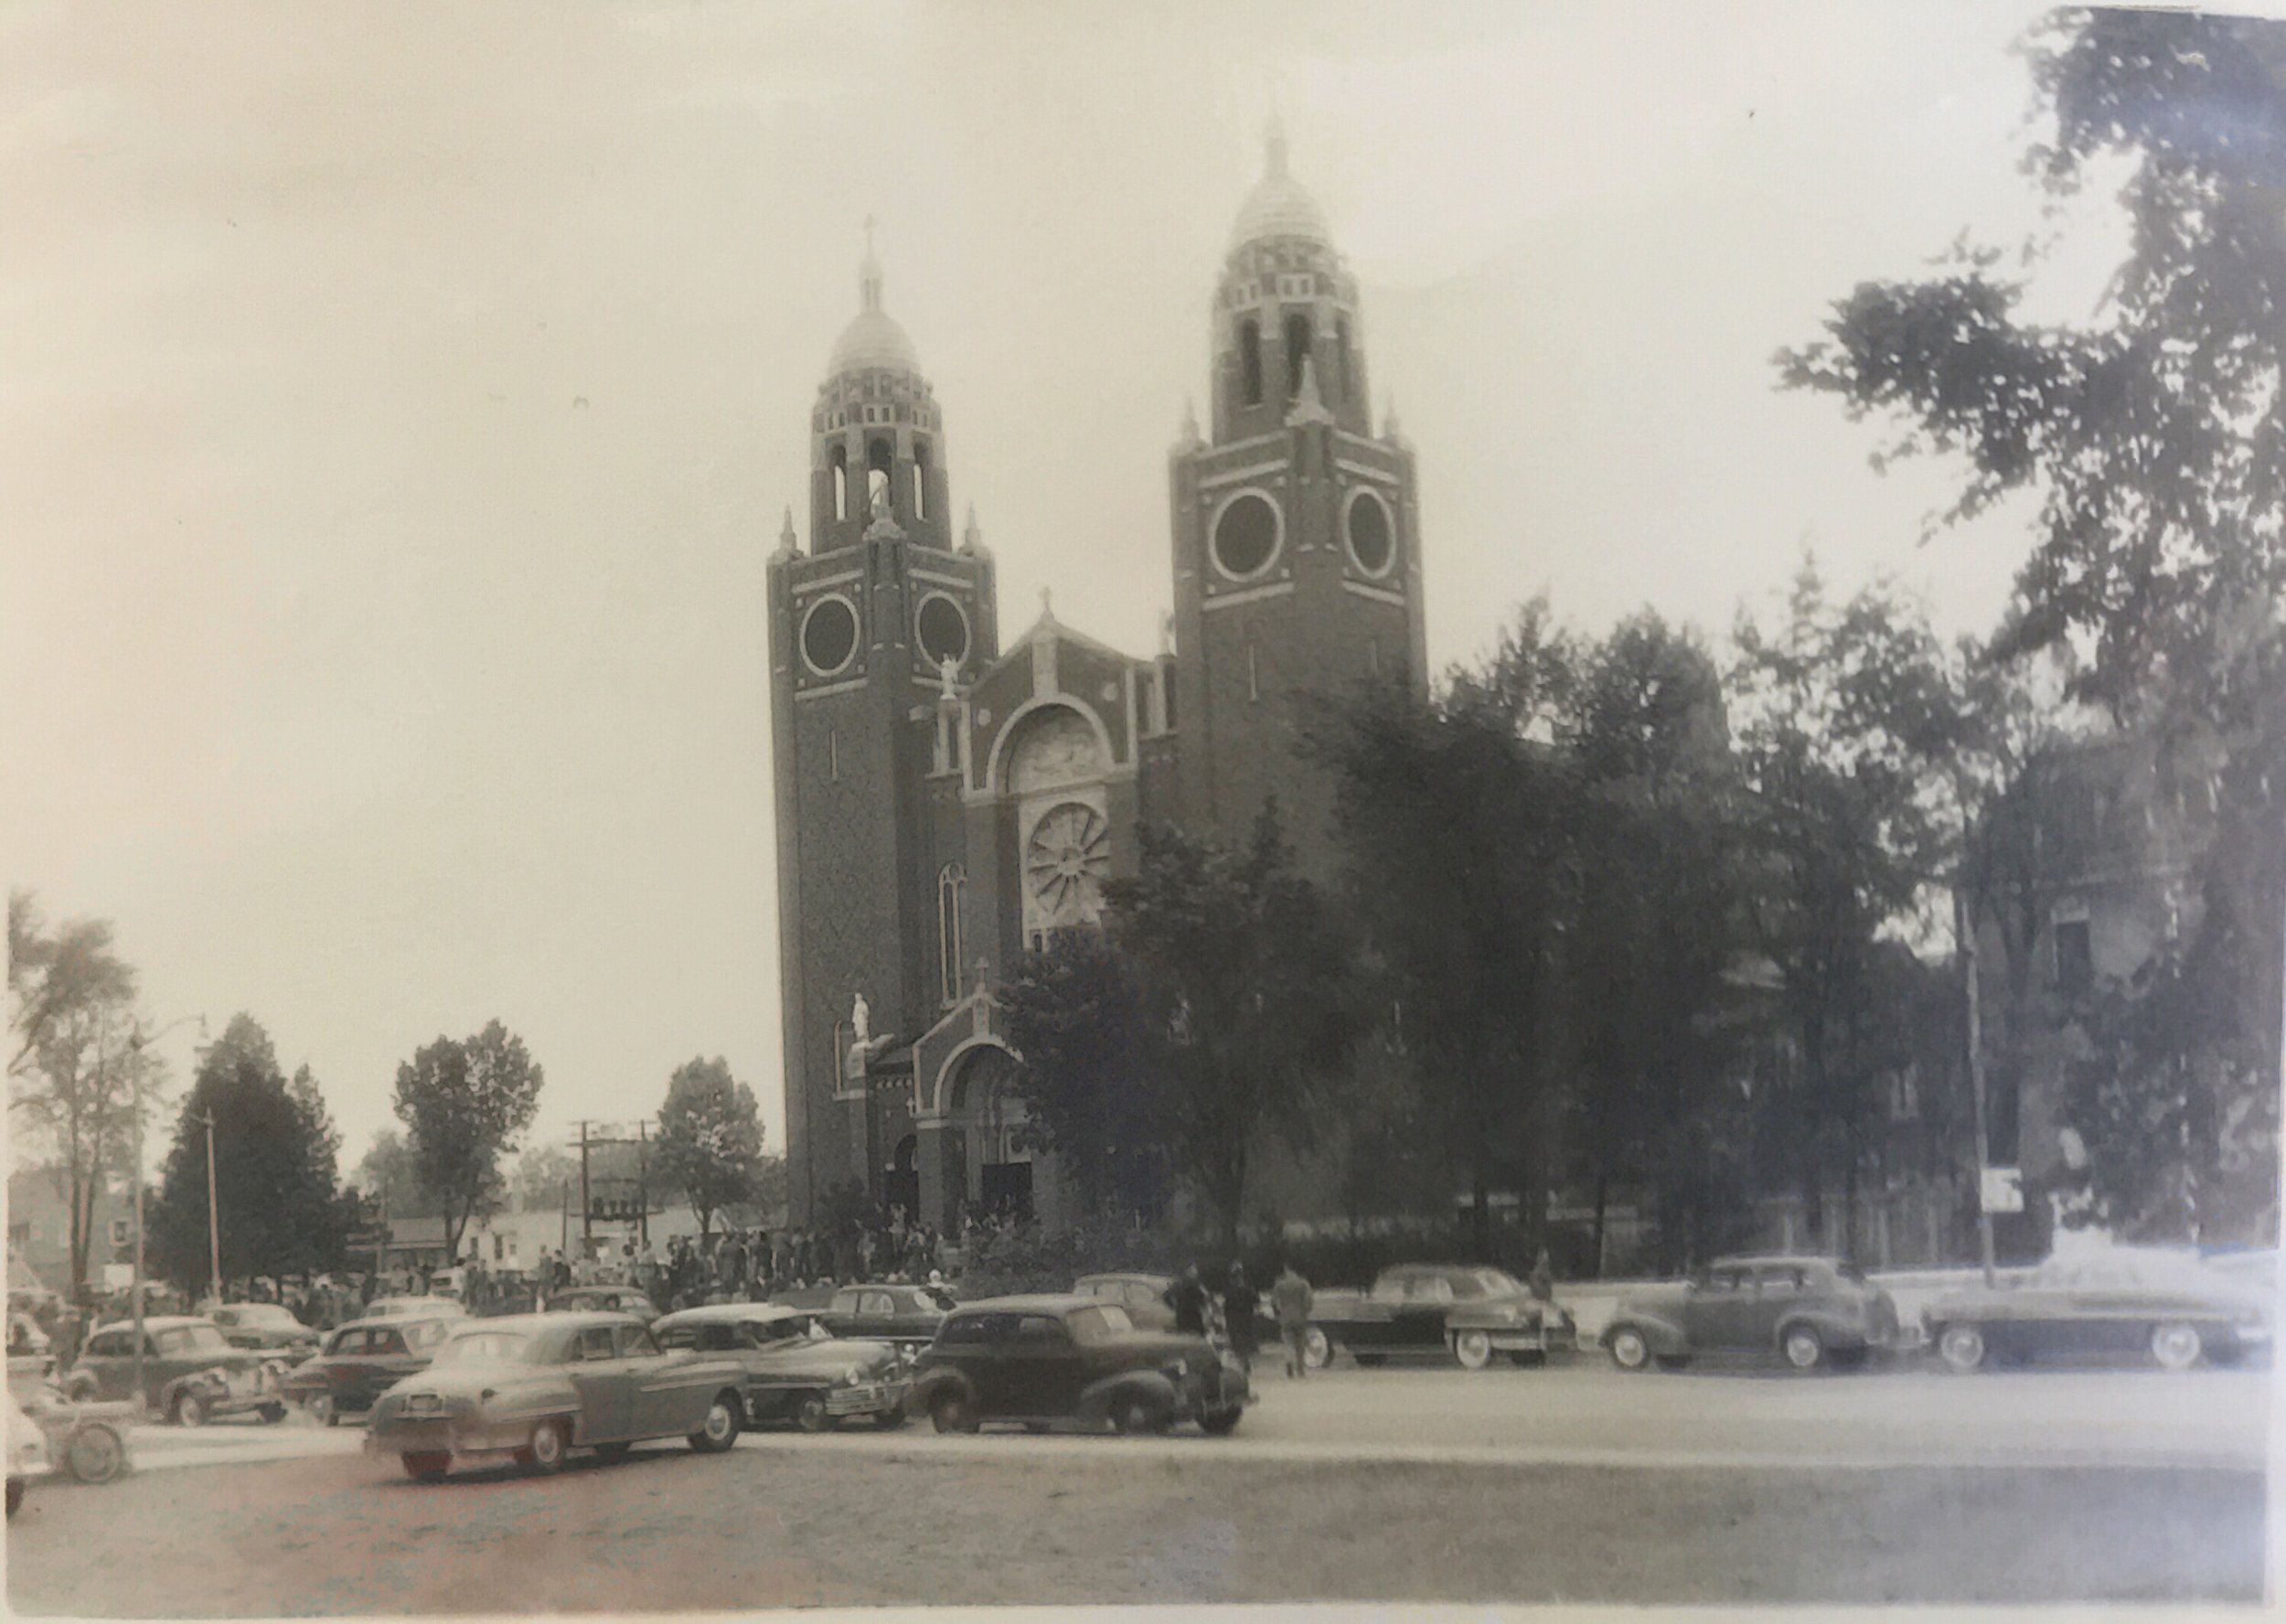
(1143, 1296)
(1810, 1310)
(85, 1442)
(361, 1359)
(263, 1325)
(906, 1315)
(1070, 1359)
(2133, 1301)
(794, 1370)
(191, 1375)
(1468, 1310)
(604, 1299)
(533, 1387)
(27, 1454)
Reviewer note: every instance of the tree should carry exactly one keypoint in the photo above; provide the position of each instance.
(1658, 931)
(275, 1173)
(80, 1079)
(1090, 1071)
(709, 1137)
(1243, 977)
(390, 1180)
(1455, 815)
(464, 1103)
(1840, 847)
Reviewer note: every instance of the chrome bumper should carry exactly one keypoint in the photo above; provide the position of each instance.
(872, 1398)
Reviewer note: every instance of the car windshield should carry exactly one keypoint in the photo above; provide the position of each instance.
(266, 1314)
(192, 1338)
(485, 1347)
(1493, 1283)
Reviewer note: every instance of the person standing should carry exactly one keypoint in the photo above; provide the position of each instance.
(1241, 1302)
(1291, 1299)
(1187, 1298)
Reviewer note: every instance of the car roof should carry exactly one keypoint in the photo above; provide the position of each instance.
(734, 1313)
(1062, 1302)
(1794, 1259)
(1139, 1276)
(158, 1322)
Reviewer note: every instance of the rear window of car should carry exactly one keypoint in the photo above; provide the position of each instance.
(1098, 1323)
(483, 1347)
(967, 1328)
(388, 1340)
(191, 1339)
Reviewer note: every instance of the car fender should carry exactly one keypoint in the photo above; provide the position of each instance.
(1837, 1330)
(209, 1380)
(943, 1379)
(1492, 1316)
(1666, 1337)
(1098, 1397)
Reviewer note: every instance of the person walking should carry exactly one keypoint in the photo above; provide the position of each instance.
(1241, 1302)
(1291, 1299)
(1187, 1298)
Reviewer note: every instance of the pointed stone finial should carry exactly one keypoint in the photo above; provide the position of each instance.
(1307, 407)
(1273, 145)
(786, 546)
(1190, 435)
(1047, 607)
(1166, 634)
(1389, 428)
(984, 972)
(870, 272)
(971, 538)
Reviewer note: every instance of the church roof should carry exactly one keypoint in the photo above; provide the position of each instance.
(872, 338)
(1279, 206)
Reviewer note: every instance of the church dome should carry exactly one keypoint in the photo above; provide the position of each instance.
(873, 340)
(1279, 206)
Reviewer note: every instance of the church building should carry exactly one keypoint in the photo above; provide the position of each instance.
(945, 799)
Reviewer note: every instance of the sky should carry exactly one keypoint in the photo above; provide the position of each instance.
(398, 404)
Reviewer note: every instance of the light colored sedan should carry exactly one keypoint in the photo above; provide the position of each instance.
(533, 1387)
(795, 1370)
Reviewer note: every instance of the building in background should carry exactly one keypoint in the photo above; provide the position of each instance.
(945, 800)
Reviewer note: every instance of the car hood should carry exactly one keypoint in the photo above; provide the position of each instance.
(1663, 1299)
(828, 1358)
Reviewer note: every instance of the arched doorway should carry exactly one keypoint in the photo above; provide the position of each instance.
(900, 1180)
(991, 1166)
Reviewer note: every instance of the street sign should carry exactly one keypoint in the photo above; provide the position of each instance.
(2003, 1189)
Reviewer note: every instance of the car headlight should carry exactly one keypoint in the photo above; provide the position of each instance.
(852, 1377)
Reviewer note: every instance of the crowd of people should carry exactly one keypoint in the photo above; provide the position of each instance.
(738, 1265)
(1232, 1314)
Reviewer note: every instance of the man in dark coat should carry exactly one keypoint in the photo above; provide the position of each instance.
(1241, 1301)
(1187, 1298)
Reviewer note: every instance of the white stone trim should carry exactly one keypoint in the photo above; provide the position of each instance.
(1237, 476)
(850, 686)
(1253, 594)
(1366, 471)
(1380, 594)
(1277, 539)
(857, 633)
(1396, 550)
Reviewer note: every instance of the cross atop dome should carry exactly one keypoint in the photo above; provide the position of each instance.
(873, 339)
(1279, 206)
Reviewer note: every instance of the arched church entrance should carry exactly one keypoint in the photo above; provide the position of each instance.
(993, 1169)
(900, 1180)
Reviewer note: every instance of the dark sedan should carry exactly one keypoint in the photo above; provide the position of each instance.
(794, 1370)
(190, 1373)
(1061, 1360)
(2125, 1302)
(360, 1359)
(1429, 1308)
(906, 1315)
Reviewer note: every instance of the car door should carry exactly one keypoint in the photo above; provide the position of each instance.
(110, 1358)
(389, 1358)
(345, 1368)
(1719, 1311)
(606, 1393)
(1779, 1291)
(667, 1400)
(876, 1315)
(979, 1350)
(1040, 1367)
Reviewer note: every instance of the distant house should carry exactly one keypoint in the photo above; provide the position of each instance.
(515, 1240)
(39, 1228)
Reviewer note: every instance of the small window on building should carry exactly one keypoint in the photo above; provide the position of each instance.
(1254, 676)
(879, 460)
(920, 482)
(1342, 385)
(952, 886)
(839, 459)
(1250, 361)
(1296, 352)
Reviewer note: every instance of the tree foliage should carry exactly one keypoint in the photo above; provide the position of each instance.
(80, 1081)
(1091, 1070)
(709, 1137)
(464, 1102)
(274, 1168)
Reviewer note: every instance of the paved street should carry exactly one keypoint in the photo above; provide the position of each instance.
(1389, 1484)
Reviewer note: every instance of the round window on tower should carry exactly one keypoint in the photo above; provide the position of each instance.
(942, 629)
(1372, 537)
(1246, 535)
(829, 635)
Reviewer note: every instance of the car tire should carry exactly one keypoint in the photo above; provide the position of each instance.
(323, 1410)
(952, 1412)
(810, 1414)
(1473, 1349)
(551, 1441)
(891, 1420)
(1132, 1414)
(1223, 1423)
(188, 1410)
(719, 1431)
(1629, 1349)
(96, 1454)
(1802, 1347)
(1962, 1348)
(81, 1388)
(2176, 1345)
(1318, 1348)
(272, 1414)
(425, 1468)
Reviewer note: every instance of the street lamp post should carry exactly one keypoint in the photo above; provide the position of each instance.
(214, 1214)
(138, 1042)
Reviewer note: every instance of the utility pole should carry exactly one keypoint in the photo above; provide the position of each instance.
(587, 1213)
(642, 1184)
(138, 1042)
(214, 1212)
(1964, 932)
